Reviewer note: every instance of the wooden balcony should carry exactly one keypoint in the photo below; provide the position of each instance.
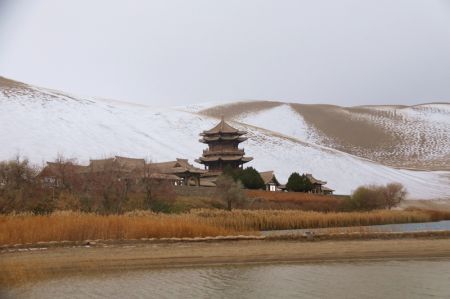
(231, 152)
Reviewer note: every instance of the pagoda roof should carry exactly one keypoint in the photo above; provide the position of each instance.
(224, 158)
(207, 139)
(223, 128)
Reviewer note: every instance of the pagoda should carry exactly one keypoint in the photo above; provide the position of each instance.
(223, 151)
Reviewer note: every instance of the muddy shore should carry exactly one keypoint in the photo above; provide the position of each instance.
(25, 265)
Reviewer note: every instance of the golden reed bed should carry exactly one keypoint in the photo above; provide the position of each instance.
(77, 226)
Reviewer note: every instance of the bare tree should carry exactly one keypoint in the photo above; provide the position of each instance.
(109, 184)
(17, 172)
(230, 191)
(65, 172)
(156, 189)
(394, 193)
(19, 190)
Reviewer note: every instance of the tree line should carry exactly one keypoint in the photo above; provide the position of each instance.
(114, 190)
(111, 190)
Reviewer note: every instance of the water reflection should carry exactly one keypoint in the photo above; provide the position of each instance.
(387, 279)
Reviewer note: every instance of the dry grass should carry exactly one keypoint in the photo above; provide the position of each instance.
(26, 228)
(435, 215)
(70, 226)
(246, 220)
(289, 196)
(295, 200)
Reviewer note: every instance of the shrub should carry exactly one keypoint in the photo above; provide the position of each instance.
(367, 198)
(376, 196)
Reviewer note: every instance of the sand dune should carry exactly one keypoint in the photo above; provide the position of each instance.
(39, 123)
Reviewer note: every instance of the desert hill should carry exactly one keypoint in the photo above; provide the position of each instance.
(415, 137)
(41, 123)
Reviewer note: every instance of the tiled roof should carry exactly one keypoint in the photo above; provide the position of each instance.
(313, 180)
(223, 127)
(267, 176)
(178, 166)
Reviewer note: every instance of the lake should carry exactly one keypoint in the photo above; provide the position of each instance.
(402, 227)
(380, 279)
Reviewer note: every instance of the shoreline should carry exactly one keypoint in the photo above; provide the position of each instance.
(359, 233)
(21, 267)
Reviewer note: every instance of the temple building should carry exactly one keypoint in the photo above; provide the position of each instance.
(189, 174)
(271, 182)
(223, 148)
(318, 185)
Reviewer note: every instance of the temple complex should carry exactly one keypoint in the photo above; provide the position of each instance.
(223, 152)
(223, 148)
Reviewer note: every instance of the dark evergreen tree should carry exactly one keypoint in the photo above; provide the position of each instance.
(306, 184)
(299, 183)
(251, 179)
(294, 182)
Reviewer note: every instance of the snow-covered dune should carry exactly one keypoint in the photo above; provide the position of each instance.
(416, 137)
(40, 124)
(282, 119)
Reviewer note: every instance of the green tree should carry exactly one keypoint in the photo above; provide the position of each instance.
(294, 182)
(306, 184)
(251, 179)
(299, 183)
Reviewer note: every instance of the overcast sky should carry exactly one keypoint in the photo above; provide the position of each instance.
(345, 52)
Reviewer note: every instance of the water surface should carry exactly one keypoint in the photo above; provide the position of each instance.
(384, 279)
(402, 227)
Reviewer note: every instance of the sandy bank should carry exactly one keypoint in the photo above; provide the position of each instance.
(28, 265)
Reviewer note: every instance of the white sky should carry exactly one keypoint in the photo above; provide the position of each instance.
(168, 52)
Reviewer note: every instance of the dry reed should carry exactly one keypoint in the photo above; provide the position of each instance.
(295, 219)
(71, 226)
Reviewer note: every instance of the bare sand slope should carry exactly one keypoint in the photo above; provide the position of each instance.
(401, 136)
(416, 137)
(23, 266)
(233, 110)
